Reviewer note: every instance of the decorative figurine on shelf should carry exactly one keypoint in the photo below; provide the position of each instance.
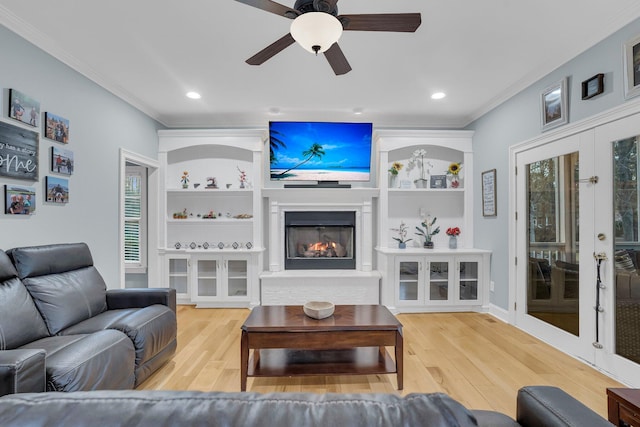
(454, 170)
(417, 159)
(428, 231)
(453, 233)
(185, 179)
(393, 174)
(211, 182)
(402, 235)
(243, 177)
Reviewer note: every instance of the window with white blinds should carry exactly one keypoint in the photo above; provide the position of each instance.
(135, 220)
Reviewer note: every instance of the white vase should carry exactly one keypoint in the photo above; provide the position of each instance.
(393, 181)
(421, 183)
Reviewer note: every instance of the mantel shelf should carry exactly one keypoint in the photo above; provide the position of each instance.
(201, 221)
(212, 191)
(423, 190)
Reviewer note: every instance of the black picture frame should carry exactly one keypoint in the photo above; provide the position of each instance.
(593, 86)
(438, 181)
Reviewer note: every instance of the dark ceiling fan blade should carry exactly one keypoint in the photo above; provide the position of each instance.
(337, 60)
(400, 22)
(271, 50)
(273, 7)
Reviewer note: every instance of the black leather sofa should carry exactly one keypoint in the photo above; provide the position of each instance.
(62, 330)
(536, 407)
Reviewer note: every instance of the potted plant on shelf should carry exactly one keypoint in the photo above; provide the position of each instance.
(428, 231)
(393, 173)
(185, 179)
(417, 159)
(453, 233)
(453, 171)
(402, 235)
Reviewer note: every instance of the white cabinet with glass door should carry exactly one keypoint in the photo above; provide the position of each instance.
(221, 280)
(439, 280)
(177, 276)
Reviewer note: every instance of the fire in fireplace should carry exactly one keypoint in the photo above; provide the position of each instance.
(320, 240)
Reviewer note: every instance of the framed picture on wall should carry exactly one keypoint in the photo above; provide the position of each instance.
(23, 108)
(19, 200)
(632, 67)
(56, 128)
(61, 161)
(57, 190)
(554, 105)
(489, 206)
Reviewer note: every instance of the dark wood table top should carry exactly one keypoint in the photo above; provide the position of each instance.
(291, 318)
(630, 395)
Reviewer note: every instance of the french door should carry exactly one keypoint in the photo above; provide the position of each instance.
(577, 237)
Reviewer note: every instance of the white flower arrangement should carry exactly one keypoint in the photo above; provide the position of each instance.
(418, 159)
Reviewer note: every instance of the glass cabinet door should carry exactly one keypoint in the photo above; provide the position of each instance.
(237, 278)
(468, 280)
(408, 281)
(207, 280)
(438, 286)
(178, 275)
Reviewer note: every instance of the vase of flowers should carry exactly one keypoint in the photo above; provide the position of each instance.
(402, 235)
(453, 233)
(428, 231)
(453, 171)
(393, 174)
(418, 159)
(242, 178)
(185, 179)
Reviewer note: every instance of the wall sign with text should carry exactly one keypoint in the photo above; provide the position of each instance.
(18, 152)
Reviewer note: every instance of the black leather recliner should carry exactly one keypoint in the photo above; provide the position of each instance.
(62, 330)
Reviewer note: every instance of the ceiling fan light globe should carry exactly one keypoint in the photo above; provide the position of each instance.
(313, 29)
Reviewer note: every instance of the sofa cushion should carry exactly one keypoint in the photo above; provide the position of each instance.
(20, 321)
(98, 361)
(150, 328)
(190, 408)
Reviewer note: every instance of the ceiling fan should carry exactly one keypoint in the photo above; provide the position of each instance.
(317, 27)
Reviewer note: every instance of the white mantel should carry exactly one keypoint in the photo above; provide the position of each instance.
(359, 286)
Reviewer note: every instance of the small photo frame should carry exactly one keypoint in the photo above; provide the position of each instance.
(56, 128)
(438, 181)
(62, 161)
(57, 190)
(489, 205)
(554, 105)
(632, 67)
(23, 108)
(593, 86)
(405, 184)
(19, 200)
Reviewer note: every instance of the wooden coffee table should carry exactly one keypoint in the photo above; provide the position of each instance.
(352, 341)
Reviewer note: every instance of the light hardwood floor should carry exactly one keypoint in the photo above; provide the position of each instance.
(473, 357)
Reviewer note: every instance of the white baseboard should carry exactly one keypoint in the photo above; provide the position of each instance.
(499, 312)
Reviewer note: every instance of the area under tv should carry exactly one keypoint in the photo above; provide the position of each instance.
(319, 184)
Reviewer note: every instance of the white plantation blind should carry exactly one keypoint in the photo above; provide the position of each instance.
(135, 217)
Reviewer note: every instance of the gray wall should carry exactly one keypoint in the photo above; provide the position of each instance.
(518, 120)
(100, 124)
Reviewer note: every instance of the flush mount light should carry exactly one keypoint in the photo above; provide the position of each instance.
(316, 31)
(438, 95)
(193, 95)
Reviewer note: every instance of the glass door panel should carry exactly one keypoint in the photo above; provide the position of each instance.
(626, 248)
(468, 282)
(207, 278)
(408, 280)
(553, 242)
(439, 281)
(237, 278)
(178, 276)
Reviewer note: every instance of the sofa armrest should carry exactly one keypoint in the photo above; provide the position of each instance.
(552, 407)
(22, 371)
(141, 297)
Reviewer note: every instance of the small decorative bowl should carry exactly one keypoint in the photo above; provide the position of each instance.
(318, 309)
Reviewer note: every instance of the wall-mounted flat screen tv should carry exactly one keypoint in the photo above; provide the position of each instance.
(320, 151)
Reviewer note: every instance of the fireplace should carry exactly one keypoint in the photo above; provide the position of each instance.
(319, 240)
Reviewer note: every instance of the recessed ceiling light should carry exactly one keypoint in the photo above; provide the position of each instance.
(193, 95)
(274, 111)
(358, 111)
(438, 95)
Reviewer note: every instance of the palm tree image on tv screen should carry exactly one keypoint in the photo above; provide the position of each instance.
(320, 151)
